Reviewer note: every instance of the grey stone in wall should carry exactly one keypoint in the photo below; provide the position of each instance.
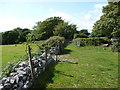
(1, 87)
(24, 64)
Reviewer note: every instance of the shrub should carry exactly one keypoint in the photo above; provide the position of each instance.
(95, 41)
(52, 42)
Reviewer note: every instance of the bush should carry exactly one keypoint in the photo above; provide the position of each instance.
(52, 42)
(96, 41)
(115, 46)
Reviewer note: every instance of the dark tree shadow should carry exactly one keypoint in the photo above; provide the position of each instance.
(66, 51)
(67, 43)
(62, 73)
(45, 78)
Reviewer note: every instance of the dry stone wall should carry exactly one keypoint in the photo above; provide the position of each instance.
(20, 78)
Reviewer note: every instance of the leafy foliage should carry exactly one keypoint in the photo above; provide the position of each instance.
(54, 41)
(108, 25)
(96, 41)
(81, 34)
(65, 30)
(43, 30)
(15, 36)
(53, 26)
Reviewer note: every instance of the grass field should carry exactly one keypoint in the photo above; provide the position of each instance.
(87, 67)
(14, 52)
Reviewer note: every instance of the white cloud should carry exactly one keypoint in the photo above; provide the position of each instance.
(99, 5)
(41, 6)
(87, 17)
(85, 21)
(82, 23)
(51, 10)
(11, 23)
(95, 11)
(62, 14)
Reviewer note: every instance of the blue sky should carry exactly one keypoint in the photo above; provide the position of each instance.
(25, 14)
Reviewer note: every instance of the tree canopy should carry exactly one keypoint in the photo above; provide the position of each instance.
(109, 23)
(53, 26)
(15, 36)
(44, 29)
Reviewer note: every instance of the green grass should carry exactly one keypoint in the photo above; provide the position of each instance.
(14, 52)
(96, 68)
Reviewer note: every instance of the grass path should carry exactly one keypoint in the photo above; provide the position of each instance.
(95, 68)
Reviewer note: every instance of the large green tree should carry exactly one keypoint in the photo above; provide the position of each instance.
(65, 30)
(53, 26)
(44, 29)
(10, 37)
(15, 36)
(109, 23)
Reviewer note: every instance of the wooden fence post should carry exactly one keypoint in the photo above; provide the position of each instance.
(30, 62)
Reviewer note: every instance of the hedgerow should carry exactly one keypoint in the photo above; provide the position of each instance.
(95, 41)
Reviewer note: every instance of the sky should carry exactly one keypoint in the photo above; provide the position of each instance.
(25, 14)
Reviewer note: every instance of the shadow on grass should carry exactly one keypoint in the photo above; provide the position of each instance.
(66, 51)
(68, 62)
(45, 78)
(62, 73)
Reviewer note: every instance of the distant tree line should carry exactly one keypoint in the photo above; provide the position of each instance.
(53, 26)
(15, 36)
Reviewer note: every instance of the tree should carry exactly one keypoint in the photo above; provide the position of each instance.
(43, 30)
(53, 26)
(10, 37)
(84, 31)
(15, 36)
(22, 33)
(65, 30)
(108, 24)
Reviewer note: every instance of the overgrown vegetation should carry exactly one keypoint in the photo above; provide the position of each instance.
(95, 41)
(108, 25)
(54, 41)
